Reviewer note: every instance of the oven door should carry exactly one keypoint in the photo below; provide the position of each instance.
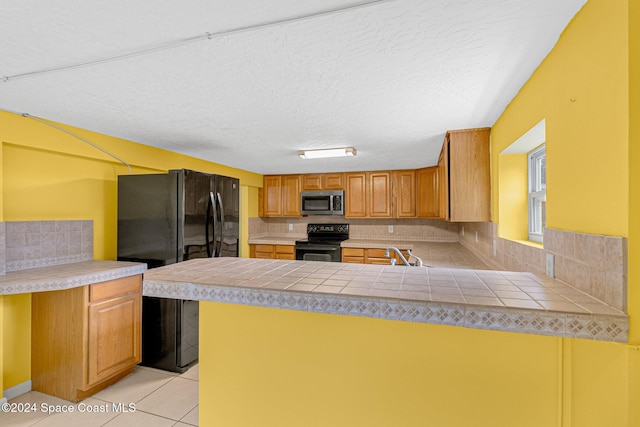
(318, 252)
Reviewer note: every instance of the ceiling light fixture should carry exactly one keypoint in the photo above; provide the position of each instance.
(331, 152)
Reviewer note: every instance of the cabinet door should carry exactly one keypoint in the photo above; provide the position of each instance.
(443, 181)
(379, 194)
(291, 195)
(114, 336)
(272, 194)
(260, 202)
(312, 182)
(427, 189)
(356, 195)
(469, 175)
(405, 202)
(333, 181)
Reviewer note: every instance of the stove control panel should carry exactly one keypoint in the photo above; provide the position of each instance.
(328, 228)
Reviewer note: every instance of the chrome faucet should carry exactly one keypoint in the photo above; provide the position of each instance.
(397, 251)
(418, 262)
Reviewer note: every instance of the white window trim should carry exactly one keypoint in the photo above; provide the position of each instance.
(535, 195)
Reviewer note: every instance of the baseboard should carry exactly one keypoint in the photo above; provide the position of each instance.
(3, 400)
(17, 390)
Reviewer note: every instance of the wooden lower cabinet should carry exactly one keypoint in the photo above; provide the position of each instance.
(86, 338)
(287, 252)
(369, 256)
(261, 251)
(353, 255)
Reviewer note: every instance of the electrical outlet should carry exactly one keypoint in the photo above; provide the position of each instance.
(476, 237)
(495, 247)
(391, 229)
(290, 227)
(462, 231)
(550, 267)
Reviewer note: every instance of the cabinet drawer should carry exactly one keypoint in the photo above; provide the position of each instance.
(352, 252)
(264, 248)
(377, 253)
(114, 288)
(285, 249)
(353, 259)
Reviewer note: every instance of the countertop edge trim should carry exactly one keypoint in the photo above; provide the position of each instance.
(71, 281)
(597, 327)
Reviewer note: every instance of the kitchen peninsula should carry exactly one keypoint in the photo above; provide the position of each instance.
(314, 343)
(483, 299)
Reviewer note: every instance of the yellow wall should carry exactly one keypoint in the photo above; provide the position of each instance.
(1, 345)
(49, 175)
(634, 209)
(272, 367)
(581, 90)
(513, 186)
(634, 174)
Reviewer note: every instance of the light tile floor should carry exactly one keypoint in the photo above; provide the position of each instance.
(160, 399)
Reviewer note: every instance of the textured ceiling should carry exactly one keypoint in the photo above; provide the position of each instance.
(389, 78)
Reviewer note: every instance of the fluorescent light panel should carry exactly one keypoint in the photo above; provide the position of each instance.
(330, 152)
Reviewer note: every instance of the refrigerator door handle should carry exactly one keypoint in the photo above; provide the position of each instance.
(210, 218)
(221, 213)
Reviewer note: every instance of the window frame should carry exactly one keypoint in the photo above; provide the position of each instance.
(537, 193)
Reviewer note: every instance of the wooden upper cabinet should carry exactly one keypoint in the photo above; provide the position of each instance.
(312, 182)
(280, 196)
(443, 184)
(427, 192)
(404, 184)
(469, 175)
(379, 194)
(368, 194)
(272, 195)
(261, 202)
(291, 195)
(323, 181)
(355, 195)
(333, 181)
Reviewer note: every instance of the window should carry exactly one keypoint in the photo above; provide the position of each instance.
(537, 193)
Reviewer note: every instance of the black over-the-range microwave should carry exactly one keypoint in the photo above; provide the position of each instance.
(322, 202)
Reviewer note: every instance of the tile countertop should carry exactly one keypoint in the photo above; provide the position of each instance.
(480, 299)
(66, 276)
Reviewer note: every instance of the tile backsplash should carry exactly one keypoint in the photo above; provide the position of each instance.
(370, 229)
(593, 263)
(31, 244)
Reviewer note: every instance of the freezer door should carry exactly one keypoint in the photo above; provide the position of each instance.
(148, 225)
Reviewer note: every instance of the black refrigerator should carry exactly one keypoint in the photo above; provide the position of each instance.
(168, 218)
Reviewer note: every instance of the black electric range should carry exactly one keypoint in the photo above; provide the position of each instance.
(322, 243)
